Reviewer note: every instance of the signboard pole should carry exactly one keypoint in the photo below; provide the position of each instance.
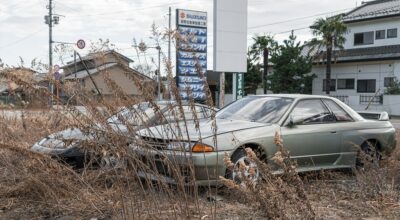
(221, 89)
(239, 86)
(234, 86)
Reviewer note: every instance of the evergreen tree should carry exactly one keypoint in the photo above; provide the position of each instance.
(252, 78)
(291, 69)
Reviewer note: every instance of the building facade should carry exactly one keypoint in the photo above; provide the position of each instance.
(370, 61)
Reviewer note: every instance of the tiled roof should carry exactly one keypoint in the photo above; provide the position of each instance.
(372, 10)
(366, 53)
(97, 55)
(83, 74)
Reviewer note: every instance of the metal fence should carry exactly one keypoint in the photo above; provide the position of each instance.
(371, 99)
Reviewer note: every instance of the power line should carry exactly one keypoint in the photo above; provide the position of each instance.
(21, 39)
(296, 29)
(296, 19)
(128, 10)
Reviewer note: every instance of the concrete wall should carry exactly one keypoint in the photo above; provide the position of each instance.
(363, 70)
(367, 26)
(391, 104)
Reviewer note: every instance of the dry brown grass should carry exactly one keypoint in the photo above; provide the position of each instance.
(37, 186)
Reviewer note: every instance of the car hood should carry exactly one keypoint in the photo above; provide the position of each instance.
(70, 134)
(206, 129)
(78, 134)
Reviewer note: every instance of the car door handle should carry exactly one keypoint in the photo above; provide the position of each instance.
(333, 132)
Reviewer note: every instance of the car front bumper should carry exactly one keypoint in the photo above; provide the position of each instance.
(59, 152)
(176, 167)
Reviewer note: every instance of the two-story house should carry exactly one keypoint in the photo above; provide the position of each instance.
(115, 66)
(370, 61)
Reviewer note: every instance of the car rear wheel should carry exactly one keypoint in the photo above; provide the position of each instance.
(244, 168)
(369, 154)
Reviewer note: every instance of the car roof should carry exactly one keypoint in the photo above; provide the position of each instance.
(294, 96)
(184, 103)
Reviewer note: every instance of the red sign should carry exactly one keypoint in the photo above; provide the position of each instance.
(81, 44)
(56, 68)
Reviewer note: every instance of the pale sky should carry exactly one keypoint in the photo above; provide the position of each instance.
(24, 34)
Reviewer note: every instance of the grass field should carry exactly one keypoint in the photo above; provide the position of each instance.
(36, 186)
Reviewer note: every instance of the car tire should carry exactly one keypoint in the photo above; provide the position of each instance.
(371, 150)
(112, 162)
(251, 168)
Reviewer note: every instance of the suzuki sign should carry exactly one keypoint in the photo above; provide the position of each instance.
(191, 55)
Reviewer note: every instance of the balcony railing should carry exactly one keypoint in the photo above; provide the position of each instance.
(343, 98)
(371, 99)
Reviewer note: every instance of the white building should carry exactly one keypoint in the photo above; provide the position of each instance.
(370, 60)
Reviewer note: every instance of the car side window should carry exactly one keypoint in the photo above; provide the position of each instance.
(311, 111)
(340, 114)
(190, 115)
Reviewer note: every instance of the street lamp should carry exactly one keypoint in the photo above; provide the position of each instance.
(143, 47)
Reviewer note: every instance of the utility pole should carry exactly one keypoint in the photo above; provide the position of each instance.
(159, 74)
(51, 19)
(76, 69)
(169, 52)
(50, 23)
(265, 75)
(169, 36)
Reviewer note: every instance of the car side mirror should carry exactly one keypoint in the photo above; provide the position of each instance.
(293, 121)
(384, 116)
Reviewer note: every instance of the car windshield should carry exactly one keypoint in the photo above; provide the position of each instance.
(134, 114)
(257, 109)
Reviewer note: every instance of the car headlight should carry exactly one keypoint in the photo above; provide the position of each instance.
(180, 146)
(195, 147)
(56, 143)
(42, 141)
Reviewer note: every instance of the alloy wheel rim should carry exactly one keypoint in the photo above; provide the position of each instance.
(250, 169)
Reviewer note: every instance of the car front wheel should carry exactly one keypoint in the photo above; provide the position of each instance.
(244, 169)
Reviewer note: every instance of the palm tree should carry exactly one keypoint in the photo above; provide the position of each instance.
(263, 45)
(328, 34)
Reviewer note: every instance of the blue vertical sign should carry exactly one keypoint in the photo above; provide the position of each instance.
(191, 55)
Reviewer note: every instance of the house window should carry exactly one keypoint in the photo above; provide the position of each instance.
(388, 81)
(333, 85)
(392, 33)
(345, 84)
(381, 34)
(364, 38)
(366, 85)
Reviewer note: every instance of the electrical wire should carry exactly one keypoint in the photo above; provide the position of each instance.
(296, 19)
(21, 39)
(127, 10)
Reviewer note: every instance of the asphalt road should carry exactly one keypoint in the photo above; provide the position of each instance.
(395, 122)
